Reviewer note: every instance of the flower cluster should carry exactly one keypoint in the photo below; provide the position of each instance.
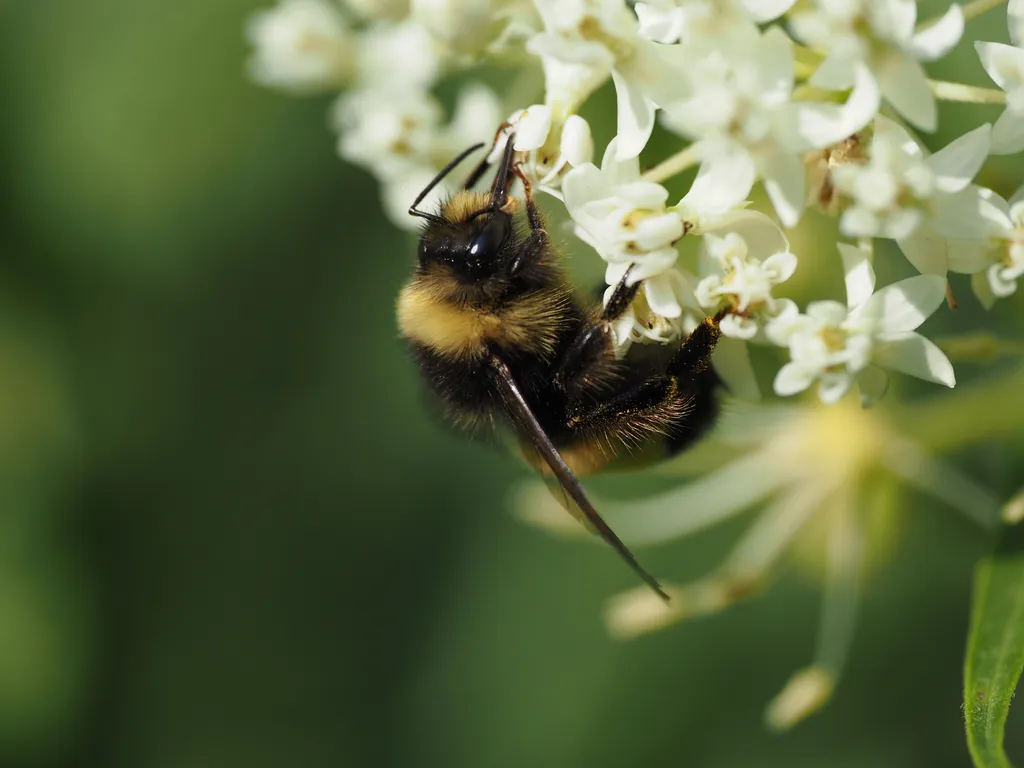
(774, 107)
(788, 95)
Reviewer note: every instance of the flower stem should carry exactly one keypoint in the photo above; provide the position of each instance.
(978, 7)
(677, 163)
(966, 93)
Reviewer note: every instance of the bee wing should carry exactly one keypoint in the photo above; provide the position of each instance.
(568, 481)
(559, 494)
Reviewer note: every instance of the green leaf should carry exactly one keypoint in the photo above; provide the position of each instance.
(995, 649)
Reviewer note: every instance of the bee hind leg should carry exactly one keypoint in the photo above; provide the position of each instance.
(678, 404)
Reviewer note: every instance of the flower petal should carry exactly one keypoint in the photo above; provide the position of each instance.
(903, 306)
(532, 128)
(761, 234)
(820, 125)
(577, 146)
(652, 263)
(583, 184)
(834, 386)
(827, 311)
(913, 354)
(967, 215)
(970, 256)
(618, 172)
(983, 289)
(661, 298)
(738, 327)
(940, 38)
(959, 161)
(835, 73)
(773, 59)
(926, 250)
(635, 118)
(792, 379)
(1008, 133)
(1003, 63)
(860, 275)
(762, 11)
(722, 182)
(781, 266)
(784, 181)
(904, 84)
(1015, 21)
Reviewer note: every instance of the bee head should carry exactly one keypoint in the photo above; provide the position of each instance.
(473, 248)
(472, 235)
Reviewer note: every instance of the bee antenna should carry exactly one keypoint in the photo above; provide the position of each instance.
(499, 190)
(414, 211)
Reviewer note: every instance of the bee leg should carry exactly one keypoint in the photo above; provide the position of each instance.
(691, 367)
(590, 359)
(536, 242)
(679, 404)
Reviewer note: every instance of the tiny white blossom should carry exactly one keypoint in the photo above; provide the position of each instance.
(397, 58)
(300, 45)
(898, 191)
(551, 148)
(627, 222)
(585, 42)
(882, 35)
(467, 26)
(734, 99)
(837, 345)
(404, 141)
(738, 278)
(385, 134)
(1005, 65)
(671, 21)
(997, 261)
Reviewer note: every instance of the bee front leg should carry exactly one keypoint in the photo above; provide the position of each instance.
(537, 241)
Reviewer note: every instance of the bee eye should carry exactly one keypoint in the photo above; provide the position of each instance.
(491, 237)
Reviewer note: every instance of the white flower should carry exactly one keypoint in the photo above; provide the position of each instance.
(641, 323)
(837, 345)
(402, 140)
(385, 134)
(583, 43)
(466, 25)
(300, 45)
(389, 10)
(627, 222)
(739, 274)
(898, 189)
(551, 148)
(394, 59)
(997, 261)
(1005, 65)
(880, 34)
(734, 99)
(670, 21)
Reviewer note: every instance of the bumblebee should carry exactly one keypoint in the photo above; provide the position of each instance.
(504, 344)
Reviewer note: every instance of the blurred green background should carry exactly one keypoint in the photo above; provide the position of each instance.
(230, 534)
